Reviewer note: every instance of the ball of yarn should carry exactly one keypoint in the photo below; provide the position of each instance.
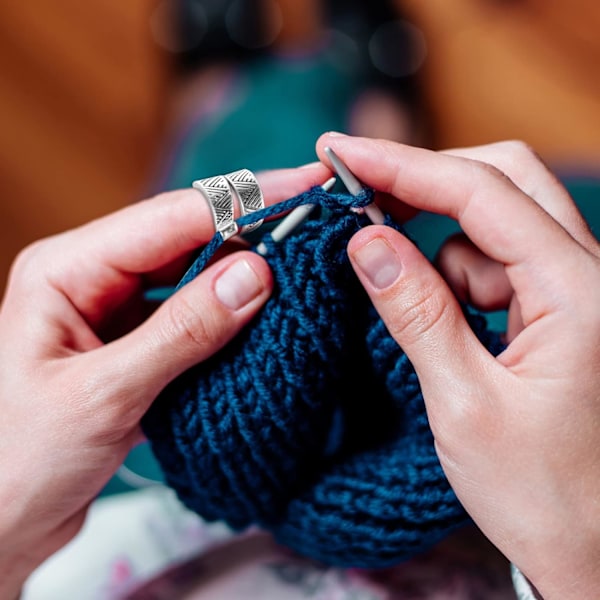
(311, 423)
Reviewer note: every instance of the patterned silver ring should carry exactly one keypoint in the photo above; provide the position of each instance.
(249, 195)
(217, 192)
(223, 191)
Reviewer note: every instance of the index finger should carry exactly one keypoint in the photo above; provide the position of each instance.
(99, 262)
(503, 221)
(152, 233)
(492, 211)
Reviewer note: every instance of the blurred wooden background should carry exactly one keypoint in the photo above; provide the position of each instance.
(527, 69)
(82, 104)
(86, 93)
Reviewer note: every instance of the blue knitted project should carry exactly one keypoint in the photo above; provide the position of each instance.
(311, 423)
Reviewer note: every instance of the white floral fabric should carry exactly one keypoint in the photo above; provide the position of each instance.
(144, 545)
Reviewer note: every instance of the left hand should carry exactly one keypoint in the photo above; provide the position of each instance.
(79, 363)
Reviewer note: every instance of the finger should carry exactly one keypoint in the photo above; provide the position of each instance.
(473, 277)
(479, 281)
(504, 222)
(188, 328)
(483, 200)
(152, 233)
(97, 266)
(169, 275)
(418, 308)
(528, 171)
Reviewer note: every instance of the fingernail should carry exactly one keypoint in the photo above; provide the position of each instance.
(379, 263)
(238, 285)
(311, 165)
(336, 134)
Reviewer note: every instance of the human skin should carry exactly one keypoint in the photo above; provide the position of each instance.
(517, 434)
(73, 386)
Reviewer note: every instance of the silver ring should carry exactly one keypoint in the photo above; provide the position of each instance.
(221, 193)
(217, 192)
(249, 195)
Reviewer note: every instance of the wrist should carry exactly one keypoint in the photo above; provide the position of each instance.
(565, 580)
(19, 557)
(16, 563)
(13, 575)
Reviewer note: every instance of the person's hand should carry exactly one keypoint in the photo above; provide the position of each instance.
(517, 434)
(72, 391)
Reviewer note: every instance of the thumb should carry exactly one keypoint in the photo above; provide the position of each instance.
(188, 328)
(418, 308)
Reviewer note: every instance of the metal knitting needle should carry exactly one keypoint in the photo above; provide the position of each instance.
(289, 223)
(354, 186)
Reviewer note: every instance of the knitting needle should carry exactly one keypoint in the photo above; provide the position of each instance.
(289, 223)
(354, 186)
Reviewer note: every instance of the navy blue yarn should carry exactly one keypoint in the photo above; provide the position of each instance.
(315, 195)
(276, 431)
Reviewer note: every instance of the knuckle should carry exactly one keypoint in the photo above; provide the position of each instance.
(28, 260)
(519, 150)
(522, 162)
(520, 156)
(38, 262)
(482, 175)
(483, 171)
(421, 316)
(515, 160)
(192, 326)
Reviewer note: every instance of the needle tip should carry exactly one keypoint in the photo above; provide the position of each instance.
(352, 184)
(328, 185)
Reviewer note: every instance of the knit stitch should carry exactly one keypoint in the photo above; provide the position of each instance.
(273, 430)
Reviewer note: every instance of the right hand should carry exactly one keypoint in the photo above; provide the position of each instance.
(517, 434)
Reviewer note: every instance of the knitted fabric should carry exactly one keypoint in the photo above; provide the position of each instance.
(311, 423)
